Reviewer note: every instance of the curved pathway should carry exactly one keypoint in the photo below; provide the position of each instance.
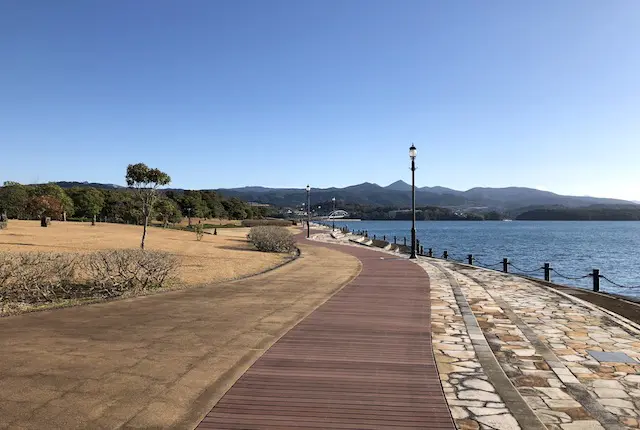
(159, 361)
(362, 360)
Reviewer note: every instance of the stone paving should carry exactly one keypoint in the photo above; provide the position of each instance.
(543, 341)
(472, 399)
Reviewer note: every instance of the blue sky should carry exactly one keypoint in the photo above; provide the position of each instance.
(542, 94)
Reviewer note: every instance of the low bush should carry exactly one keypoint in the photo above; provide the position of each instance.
(3, 225)
(43, 277)
(270, 238)
(117, 272)
(199, 229)
(259, 222)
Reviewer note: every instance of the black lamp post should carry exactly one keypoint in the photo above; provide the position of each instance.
(412, 154)
(308, 211)
(333, 219)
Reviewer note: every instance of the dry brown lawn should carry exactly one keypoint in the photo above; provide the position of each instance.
(216, 258)
(215, 221)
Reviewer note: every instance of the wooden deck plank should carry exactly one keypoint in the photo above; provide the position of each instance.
(361, 360)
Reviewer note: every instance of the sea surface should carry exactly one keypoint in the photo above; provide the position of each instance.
(572, 248)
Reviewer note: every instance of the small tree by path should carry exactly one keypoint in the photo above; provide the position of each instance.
(145, 182)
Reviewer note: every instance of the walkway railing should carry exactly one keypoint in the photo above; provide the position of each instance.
(508, 266)
(505, 265)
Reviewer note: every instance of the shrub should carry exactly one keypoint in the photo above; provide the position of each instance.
(258, 222)
(36, 277)
(199, 229)
(4, 225)
(269, 238)
(39, 277)
(116, 272)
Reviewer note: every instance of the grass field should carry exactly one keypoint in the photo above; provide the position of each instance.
(216, 258)
(215, 221)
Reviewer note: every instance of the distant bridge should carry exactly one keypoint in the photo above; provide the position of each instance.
(338, 215)
(334, 215)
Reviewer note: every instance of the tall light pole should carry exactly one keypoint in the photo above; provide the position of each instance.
(412, 154)
(333, 219)
(308, 211)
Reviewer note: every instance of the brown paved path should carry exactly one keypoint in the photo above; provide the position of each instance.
(160, 361)
(361, 360)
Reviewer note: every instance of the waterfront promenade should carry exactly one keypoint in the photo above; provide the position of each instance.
(346, 336)
(513, 353)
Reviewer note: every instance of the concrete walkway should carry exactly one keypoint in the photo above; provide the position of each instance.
(363, 360)
(160, 361)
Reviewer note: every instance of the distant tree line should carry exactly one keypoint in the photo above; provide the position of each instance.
(118, 205)
(591, 213)
(423, 213)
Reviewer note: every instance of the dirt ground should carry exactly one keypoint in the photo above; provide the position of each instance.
(216, 258)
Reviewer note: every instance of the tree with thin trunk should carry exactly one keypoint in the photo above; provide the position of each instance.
(145, 182)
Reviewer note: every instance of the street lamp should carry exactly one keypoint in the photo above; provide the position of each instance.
(308, 211)
(333, 215)
(412, 154)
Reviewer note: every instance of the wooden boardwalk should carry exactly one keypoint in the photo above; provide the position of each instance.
(363, 360)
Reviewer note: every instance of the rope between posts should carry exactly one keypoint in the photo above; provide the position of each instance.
(518, 270)
(525, 271)
(572, 278)
(450, 257)
(619, 285)
(487, 265)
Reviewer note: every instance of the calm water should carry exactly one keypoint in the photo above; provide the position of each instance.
(572, 248)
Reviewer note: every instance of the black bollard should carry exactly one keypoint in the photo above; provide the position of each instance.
(547, 272)
(394, 240)
(430, 254)
(405, 241)
(445, 255)
(505, 265)
(421, 250)
(596, 280)
(470, 259)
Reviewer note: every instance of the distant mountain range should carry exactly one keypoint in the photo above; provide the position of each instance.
(398, 194)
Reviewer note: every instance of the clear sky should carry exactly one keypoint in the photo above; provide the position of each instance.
(541, 93)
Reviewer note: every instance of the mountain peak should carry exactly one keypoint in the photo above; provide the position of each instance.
(399, 186)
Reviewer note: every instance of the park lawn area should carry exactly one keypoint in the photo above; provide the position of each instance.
(213, 221)
(226, 256)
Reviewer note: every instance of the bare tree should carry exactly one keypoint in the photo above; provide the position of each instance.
(145, 182)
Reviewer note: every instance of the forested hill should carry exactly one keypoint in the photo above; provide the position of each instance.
(591, 213)
(398, 195)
